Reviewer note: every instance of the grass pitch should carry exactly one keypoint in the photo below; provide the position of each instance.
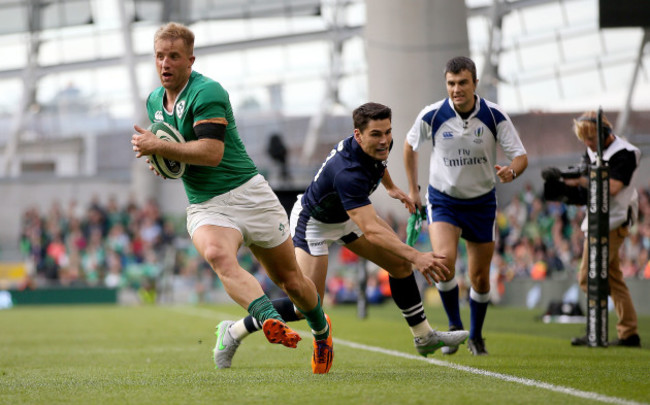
(163, 355)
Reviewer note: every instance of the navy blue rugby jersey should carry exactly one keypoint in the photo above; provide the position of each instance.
(344, 182)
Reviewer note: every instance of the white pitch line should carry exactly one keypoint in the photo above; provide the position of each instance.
(524, 381)
(504, 377)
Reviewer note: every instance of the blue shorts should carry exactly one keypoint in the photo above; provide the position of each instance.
(476, 217)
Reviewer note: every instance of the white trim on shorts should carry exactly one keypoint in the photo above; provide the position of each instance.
(253, 209)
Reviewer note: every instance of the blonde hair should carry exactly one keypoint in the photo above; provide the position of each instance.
(172, 31)
(585, 126)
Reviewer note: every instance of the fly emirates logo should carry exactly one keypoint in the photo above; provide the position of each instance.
(464, 158)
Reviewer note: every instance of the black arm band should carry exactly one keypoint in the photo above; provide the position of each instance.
(210, 131)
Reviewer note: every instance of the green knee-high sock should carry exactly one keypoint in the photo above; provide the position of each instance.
(262, 309)
(316, 321)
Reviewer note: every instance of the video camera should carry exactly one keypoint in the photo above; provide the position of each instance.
(555, 189)
(572, 172)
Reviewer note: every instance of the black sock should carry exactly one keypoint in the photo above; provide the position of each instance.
(406, 295)
(284, 306)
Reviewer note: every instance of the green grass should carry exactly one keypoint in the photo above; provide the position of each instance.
(163, 355)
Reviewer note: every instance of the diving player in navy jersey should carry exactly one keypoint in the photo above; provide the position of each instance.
(336, 208)
(464, 130)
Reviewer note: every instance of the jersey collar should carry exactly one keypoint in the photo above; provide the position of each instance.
(189, 80)
(477, 107)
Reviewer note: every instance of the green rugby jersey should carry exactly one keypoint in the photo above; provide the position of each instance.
(203, 98)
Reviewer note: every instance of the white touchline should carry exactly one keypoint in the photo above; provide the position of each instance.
(525, 381)
(519, 380)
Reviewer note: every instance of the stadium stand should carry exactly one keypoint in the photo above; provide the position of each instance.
(147, 254)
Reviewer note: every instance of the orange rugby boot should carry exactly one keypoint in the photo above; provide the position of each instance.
(321, 360)
(277, 331)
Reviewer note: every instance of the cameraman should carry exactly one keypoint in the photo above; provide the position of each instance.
(623, 159)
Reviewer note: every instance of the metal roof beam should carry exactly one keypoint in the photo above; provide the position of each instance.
(342, 34)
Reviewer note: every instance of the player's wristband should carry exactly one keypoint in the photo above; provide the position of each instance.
(514, 174)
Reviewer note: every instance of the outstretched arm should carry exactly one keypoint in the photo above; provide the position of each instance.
(379, 233)
(396, 193)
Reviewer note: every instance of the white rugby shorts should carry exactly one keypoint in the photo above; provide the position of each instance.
(314, 236)
(252, 208)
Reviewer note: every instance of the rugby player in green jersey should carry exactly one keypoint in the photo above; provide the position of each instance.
(231, 204)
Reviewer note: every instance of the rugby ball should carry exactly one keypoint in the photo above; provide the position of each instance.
(169, 169)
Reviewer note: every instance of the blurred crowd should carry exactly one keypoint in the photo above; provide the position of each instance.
(105, 244)
(541, 240)
(133, 246)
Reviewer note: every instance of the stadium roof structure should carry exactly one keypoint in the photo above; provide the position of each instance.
(291, 56)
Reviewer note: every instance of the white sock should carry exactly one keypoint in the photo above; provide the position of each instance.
(447, 285)
(238, 330)
(421, 329)
(478, 297)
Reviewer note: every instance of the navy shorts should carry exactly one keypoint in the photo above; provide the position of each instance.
(476, 217)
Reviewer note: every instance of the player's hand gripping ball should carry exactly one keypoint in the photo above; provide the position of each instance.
(169, 169)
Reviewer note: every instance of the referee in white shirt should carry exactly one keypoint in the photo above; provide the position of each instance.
(464, 131)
